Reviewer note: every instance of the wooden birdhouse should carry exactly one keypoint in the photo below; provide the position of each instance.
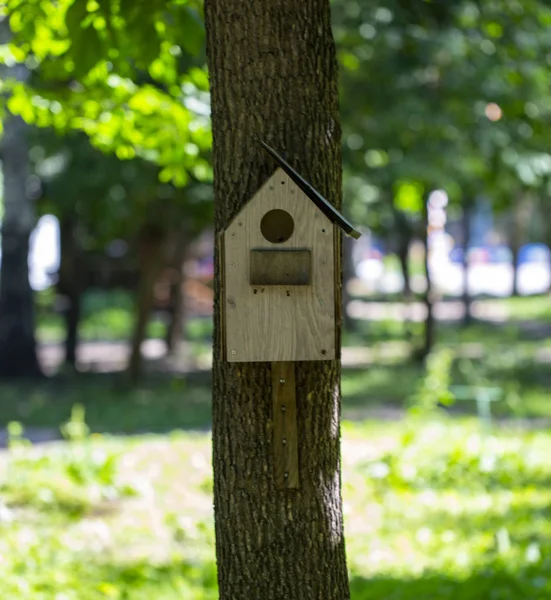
(279, 273)
(279, 263)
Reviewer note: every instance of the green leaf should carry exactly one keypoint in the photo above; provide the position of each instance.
(192, 31)
(409, 197)
(74, 18)
(86, 51)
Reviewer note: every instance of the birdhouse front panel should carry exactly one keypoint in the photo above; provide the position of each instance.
(279, 278)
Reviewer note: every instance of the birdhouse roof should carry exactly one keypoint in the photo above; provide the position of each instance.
(326, 208)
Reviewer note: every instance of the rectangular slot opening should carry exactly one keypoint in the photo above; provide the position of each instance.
(289, 266)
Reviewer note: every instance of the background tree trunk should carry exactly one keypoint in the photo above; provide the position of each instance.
(17, 318)
(174, 332)
(520, 219)
(274, 78)
(150, 261)
(69, 286)
(466, 226)
(429, 330)
(403, 257)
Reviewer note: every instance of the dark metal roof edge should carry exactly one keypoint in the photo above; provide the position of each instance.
(328, 209)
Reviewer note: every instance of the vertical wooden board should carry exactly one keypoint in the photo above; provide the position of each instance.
(285, 439)
(280, 323)
(337, 274)
(222, 292)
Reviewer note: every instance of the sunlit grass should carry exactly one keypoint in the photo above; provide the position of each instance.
(431, 507)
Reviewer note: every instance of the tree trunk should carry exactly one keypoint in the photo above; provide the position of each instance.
(72, 320)
(429, 332)
(150, 261)
(349, 323)
(176, 324)
(273, 77)
(514, 244)
(466, 224)
(69, 286)
(17, 318)
(403, 257)
(522, 211)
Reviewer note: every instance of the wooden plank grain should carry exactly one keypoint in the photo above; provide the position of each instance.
(267, 323)
(222, 295)
(285, 439)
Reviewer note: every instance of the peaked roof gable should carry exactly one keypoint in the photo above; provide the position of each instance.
(326, 208)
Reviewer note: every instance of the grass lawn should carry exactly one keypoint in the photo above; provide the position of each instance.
(433, 509)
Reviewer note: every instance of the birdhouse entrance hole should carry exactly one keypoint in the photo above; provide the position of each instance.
(277, 226)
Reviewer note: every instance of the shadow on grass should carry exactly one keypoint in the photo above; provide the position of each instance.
(197, 581)
(86, 578)
(178, 579)
(493, 583)
(158, 405)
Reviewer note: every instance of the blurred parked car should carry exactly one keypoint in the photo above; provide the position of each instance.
(491, 270)
(534, 269)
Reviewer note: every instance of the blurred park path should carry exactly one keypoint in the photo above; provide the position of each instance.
(112, 356)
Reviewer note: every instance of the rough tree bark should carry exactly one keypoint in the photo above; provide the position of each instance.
(273, 77)
(17, 320)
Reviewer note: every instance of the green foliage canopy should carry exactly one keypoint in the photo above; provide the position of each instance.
(442, 95)
(129, 74)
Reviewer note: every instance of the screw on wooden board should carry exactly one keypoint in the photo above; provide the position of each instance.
(234, 351)
(232, 264)
(285, 443)
(324, 351)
